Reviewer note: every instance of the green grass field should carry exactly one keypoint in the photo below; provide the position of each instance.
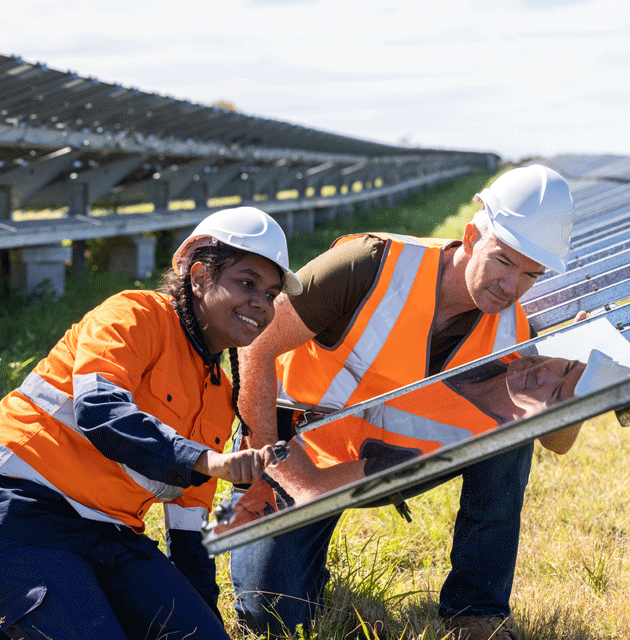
(573, 573)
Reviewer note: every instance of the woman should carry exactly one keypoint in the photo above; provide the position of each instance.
(130, 408)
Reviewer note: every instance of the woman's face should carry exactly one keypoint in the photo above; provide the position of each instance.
(537, 382)
(234, 309)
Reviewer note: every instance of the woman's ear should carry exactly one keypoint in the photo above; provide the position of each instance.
(198, 279)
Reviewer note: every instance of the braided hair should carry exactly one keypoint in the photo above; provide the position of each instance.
(236, 385)
(214, 259)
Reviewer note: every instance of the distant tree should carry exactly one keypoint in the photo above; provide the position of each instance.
(225, 104)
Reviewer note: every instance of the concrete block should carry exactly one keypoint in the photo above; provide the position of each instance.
(179, 235)
(325, 215)
(133, 256)
(366, 205)
(5, 202)
(31, 267)
(286, 220)
(346, 212)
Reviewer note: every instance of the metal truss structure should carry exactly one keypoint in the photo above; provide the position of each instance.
(76, 144)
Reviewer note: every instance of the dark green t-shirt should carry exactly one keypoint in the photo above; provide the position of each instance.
(336, 283)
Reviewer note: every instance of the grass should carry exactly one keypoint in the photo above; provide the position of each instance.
(573, 571)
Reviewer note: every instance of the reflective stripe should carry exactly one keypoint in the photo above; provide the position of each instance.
(506, 330)
(55, 403)
(283, 395)
(60, 406)
(162, 491)
(378, 329)
(418, 242)
(411, 425)
(12, 465)
(184, 518)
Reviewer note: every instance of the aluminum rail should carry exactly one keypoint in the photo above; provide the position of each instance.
(615, 243)
(576, 276)
(53, 139)
(15, 234)
(617, 222)
(568, 309)
(584, 287)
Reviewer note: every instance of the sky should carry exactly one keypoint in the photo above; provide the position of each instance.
(519, 78)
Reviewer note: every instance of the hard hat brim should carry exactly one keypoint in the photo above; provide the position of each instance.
(528, 248)
(601, 371)
(292, 284)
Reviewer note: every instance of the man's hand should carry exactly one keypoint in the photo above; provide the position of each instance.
(242, 467)
(561, 441)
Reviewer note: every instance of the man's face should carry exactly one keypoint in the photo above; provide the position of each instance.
(496, 275)
(537, 382)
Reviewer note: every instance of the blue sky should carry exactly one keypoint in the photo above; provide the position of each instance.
(517, 77)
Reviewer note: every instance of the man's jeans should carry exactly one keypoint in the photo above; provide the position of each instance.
(483, 558)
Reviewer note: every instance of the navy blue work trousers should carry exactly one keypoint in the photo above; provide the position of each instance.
(279, 581)
(58, 594)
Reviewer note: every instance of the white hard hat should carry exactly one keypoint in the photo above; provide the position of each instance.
(531, 210)
(601, 371)
(245, 228)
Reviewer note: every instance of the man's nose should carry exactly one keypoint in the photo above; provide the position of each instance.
(509, 283)
(545, 375)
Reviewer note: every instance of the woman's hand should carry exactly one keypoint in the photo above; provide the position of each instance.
(242, 467)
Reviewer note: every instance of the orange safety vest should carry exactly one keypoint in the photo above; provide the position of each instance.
(135, 341)
(387, 342)
(421, 421)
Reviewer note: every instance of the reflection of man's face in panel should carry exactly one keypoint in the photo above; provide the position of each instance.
(537, 382)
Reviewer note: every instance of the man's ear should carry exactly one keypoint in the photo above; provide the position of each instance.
(198, 279)
(471, 235)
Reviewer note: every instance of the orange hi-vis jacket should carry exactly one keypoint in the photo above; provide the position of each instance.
(116, 415)
(386, 345)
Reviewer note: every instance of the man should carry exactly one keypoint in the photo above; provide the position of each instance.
(379, 312)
